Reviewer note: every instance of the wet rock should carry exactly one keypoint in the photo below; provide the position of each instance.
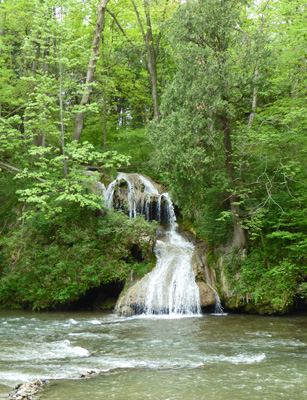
(89, 374)
(134, 300)
(160, 232)
(27, 391)
(126, 311)
(206, 294)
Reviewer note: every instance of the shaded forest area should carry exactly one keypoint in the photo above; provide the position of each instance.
(207, 96)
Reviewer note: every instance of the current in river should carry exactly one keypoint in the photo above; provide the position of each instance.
(212, 357)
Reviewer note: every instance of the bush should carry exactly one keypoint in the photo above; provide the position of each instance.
(53, 262)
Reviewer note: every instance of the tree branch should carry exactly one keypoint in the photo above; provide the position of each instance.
(14, 112)
(7, 166)
(236, 101)
(120, 27)
(125, 35)
(160, 32)
(140, 23)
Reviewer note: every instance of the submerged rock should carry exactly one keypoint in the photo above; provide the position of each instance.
(126, 311)
(89, 374)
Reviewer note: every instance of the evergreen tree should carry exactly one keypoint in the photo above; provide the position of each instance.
(201, 108)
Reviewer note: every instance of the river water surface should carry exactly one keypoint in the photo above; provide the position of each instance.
(209, 357)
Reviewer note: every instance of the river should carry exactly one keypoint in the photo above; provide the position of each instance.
(208, 357)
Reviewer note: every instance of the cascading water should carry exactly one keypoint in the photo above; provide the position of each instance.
(136, 194)
(170, 288)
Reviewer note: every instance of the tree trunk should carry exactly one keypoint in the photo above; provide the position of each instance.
(254, 101)
(151, 55)
(91, 70)
(239, 234)
(104, 120)
(152, 63)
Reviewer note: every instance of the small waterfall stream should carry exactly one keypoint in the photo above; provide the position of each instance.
(170, 288)
(133, 190)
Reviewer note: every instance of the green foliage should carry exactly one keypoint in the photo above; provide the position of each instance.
(134, 144)
(52, 262)
(53, 190)
(191, 148)
(210, 227)
(9, 201)
(9, 208)
(231, 143)
(140, 269)
(267, 280)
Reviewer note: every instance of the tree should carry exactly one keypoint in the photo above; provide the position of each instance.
(151, 53)
(146, 40)
(91, 69)
(33, 135)
(200, 107)
(232, 143)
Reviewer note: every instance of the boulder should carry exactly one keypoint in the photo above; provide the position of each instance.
(206, 294)
(125, 311)
(133, 300)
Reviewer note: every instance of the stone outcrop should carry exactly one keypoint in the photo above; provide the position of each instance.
(133, 301)
(206, 294)
(204, 276)
(136, 194)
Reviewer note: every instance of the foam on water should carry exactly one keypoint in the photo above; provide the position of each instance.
(95, 322)
(45, 351)
(87, 335)
(243, 358)
(169, 316)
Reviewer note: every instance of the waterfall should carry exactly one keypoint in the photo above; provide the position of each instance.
(134, 191)
(170, 288)
(218, 309)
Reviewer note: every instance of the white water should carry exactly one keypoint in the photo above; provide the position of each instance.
(231, 357)
(139, 190)
(171, 286)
